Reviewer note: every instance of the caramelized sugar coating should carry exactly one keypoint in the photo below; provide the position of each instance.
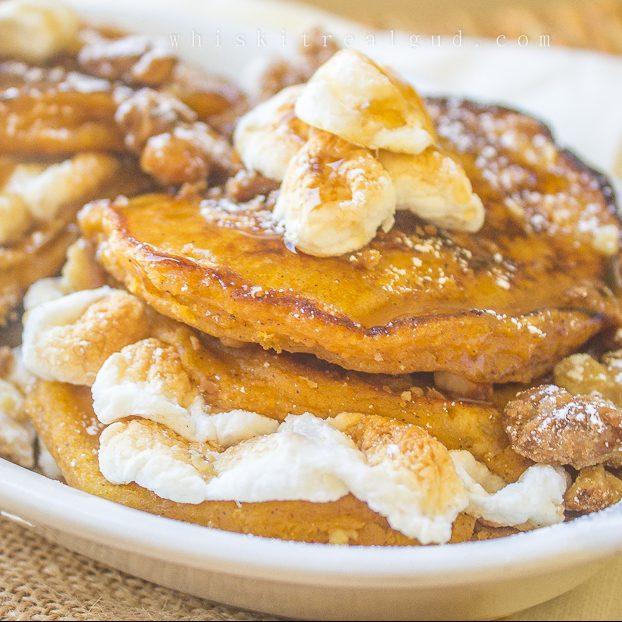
(550, 425)
(594, 489)
(501, 305)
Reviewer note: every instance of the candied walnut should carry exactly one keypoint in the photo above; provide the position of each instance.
(216, 100)
(582, 374)
(133, 59)
(315, 50)
(171, 160)
(594, 489)
(462, 387)
(246, 185)
(188, 154)
(550, 425)
(147, 113)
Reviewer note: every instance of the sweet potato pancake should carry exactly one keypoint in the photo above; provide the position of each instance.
(273, 385)
(504, 304)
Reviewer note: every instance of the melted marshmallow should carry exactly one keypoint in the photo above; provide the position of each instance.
(536, 498)
(165, 397)
(306, 459)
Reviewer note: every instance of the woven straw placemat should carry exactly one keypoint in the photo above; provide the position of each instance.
(42, 581)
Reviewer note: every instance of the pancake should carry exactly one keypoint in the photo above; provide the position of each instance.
(272, 385)
(63, 417)
(52, 112)
(501, 305)
(40, 251)
(275, 385)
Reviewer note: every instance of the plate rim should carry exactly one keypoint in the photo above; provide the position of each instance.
(48, 503)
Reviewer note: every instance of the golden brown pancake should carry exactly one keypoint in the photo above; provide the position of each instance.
(49, 112)
(273, 385)
(65, 421)
(501, 305)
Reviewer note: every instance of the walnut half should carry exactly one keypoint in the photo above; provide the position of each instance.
(594, 489)
(548, 424)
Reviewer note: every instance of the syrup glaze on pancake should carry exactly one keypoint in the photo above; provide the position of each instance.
(501, 305)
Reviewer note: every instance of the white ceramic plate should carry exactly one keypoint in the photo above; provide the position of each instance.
(461, 581)
(464, 581)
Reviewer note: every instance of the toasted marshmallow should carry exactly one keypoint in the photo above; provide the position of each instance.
(36, 30)
(334, 197)
(68, 339)
(147, 379)
(269, 136)
(398, 470)
(537, 498)
(42, 291)
(354, 98)
(435, 187)
(145, 453)
(46, 189)
(16, 434)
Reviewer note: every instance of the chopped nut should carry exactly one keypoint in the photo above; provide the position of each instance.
(550, 425)
(133, 59)
(188, 154)
(280, 73)
(148, 113)
(582, 375)
(174, 161)
(594, 489)
(246, 185)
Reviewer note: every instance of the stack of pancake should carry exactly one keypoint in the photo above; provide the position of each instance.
(196, 360)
